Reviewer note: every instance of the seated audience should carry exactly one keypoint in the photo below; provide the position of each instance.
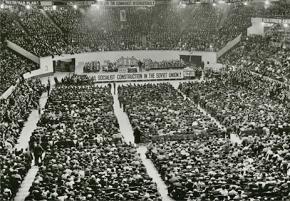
(14, 112)
(101, 171)
(242, 102)
(159, 109)
(215, 169)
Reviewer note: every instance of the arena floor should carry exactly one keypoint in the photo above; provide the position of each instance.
(125, 129)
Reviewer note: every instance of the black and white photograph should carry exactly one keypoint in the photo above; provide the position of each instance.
(144, 100)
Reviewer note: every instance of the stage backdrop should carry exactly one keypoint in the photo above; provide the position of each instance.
(46, 63)
(208, 58)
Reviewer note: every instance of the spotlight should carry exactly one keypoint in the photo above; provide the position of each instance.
(214, 4)
(96, 6)
(267, 3)
(285, 25)
(182, 5)
(2, 6)
(54, 7)
(28, 7)
(245, 3)
(75, 6)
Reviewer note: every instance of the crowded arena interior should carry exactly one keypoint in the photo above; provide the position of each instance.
(146, 100)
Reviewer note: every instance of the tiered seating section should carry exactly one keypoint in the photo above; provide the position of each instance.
(258, 55)
(12, 67)
(195, 27)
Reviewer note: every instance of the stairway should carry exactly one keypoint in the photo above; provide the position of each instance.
(18, 22)
(52, 21)
(223, 15)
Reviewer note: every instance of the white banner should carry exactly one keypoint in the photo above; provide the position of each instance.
(276, 21)
(105, 77)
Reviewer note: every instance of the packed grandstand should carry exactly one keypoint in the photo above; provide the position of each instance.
(215, 134)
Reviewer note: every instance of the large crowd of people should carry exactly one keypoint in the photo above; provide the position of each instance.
(17, 107)
(159, 109)
(14, 112)
(243, 102)
(64, 29)
(86, 158)
(259, 55)
(51, 31)
(101, 171)
(12, 68)
(215, 169)
(77, 112)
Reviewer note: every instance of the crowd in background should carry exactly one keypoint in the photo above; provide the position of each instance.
(12, 68)
(205, 27)
(67, 30)
(260, 55)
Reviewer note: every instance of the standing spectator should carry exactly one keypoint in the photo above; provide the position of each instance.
(37, 151)
(137, 135)
(48, 87)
